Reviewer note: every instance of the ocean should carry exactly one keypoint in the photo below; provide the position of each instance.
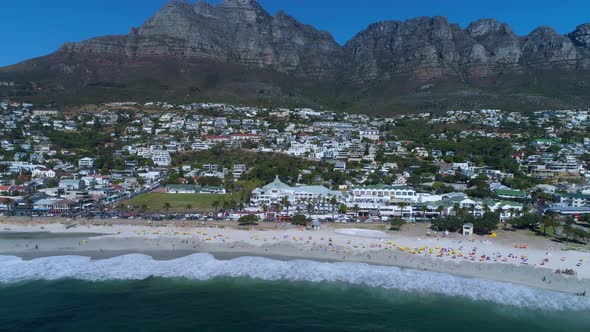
(201, 293)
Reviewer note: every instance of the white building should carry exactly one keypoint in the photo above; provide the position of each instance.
(161, 157)
(371, 134)
(71, 184)
(274, 192)
(382, 194)
(86, 162)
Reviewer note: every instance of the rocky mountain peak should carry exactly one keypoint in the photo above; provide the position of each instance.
(544, 46)
(246, 7)
(581, 35)
(242, 39)
(486, 26)
(203, 7)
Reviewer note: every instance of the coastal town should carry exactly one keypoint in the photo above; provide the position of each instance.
(226, 165)
(219, 161)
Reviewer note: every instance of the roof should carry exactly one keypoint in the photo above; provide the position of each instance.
(580, 196)
(510, 203)
(319, 190)
(386, 187)
(181, 186)
(505, 192)
(277, 184)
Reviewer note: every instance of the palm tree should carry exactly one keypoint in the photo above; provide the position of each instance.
(548, 221)
(7, 202)
(264, 209)
(356, 209)
(302, 203)
(343, 209)
(29, 203)
(402, 205)
(333, 202)
(225, 204)
(121, 207)
(568, 230)
(286, 203)
(215, 205)
(439, 209)
(309, 208)
(167, 207)
(512, 211)
(424, 208)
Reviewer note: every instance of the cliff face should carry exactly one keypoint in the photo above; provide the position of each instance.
(432, 48)
(243, 33)
(235, 31)
(196, 50)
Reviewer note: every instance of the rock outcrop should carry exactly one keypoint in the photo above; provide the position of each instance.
(187, 49)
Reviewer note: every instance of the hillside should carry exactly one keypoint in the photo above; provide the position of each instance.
(237, 52)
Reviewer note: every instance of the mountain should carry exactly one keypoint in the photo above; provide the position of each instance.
(235, 51)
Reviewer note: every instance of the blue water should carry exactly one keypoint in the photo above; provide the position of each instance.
(200, 293)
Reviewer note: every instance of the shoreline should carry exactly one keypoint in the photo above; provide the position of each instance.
(524, 276)
(230, 243)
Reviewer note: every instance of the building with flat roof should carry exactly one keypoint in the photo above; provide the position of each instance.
(382, 194)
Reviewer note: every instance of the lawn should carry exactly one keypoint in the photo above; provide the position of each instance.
(178, 202)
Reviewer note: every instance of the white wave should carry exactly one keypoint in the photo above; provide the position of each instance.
(205, 266)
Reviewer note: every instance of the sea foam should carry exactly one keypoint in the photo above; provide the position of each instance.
(205, 266)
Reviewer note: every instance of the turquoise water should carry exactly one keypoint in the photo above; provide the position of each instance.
(239, 304)
(201, 293)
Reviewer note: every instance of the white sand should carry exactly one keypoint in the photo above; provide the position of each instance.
(482, 257)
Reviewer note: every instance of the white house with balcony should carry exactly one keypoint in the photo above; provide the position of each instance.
(86, 162)
(383, 194)
(274, 192)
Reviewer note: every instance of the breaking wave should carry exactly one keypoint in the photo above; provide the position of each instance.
(205, 266)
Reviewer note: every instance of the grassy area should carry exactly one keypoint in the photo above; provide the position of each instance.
(178, 202)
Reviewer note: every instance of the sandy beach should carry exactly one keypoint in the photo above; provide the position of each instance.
(512, 258)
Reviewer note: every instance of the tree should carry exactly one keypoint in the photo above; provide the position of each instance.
(581, 235)
(144, 208)
(8, 203)
(249, 219)
(264, 209)
(225, 204)
(215, 205)
(402, 205)
(286, 203)
(548, 221)
(487, 223)
(397, 223)
(451, 223)
(121, 207)
(167, 207)
(189, 207)
(333, 202)
(568, 229)
(343, 209)
(310, 208)
(356, 209)
(525, 221)
(299, 220)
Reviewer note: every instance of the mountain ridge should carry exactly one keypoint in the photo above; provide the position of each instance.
(276, 59)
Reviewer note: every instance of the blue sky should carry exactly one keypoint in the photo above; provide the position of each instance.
(30, 28)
